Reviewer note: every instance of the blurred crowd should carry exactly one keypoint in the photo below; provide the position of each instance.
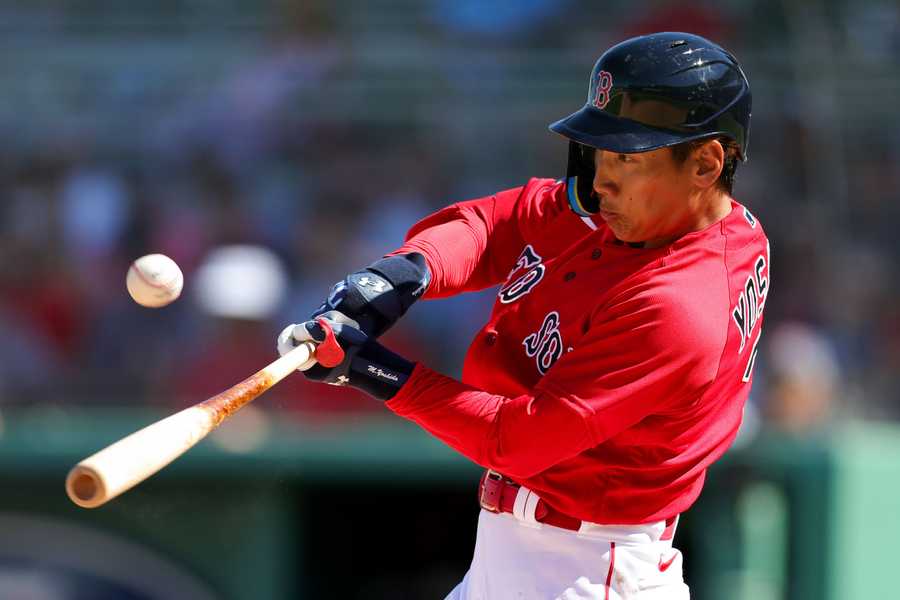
(301, 140)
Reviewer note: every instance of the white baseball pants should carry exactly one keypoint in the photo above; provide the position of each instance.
(518, 559)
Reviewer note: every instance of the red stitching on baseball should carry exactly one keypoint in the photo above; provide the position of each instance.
(152, 284)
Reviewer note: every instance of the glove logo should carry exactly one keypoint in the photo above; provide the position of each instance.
(378, 285)
(546, 345)
(526, 274)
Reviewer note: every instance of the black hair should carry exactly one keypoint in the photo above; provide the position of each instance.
(680, 153)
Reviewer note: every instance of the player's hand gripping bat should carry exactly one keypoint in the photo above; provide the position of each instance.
(122, 465)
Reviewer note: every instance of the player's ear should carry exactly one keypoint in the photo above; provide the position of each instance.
(707, 162)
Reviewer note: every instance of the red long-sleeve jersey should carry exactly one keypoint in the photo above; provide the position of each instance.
(608, 378)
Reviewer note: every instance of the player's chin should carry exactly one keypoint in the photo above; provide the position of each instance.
(620, 228)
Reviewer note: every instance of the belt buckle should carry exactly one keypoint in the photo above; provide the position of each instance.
(491, 490)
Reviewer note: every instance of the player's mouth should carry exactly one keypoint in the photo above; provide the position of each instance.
(603, 205)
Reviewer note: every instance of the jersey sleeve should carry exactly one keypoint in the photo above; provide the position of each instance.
(472, 245)
(641, 356)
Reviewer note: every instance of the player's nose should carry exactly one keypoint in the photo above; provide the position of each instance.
(603, 183)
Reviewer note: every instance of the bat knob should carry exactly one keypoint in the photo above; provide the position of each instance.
(329, 353)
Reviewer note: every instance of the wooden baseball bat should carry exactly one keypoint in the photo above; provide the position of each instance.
(122, 465)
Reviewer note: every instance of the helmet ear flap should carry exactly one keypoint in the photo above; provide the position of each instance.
(580, 180)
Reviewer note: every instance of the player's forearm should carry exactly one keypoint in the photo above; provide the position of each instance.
(452, 252)
(519, 436)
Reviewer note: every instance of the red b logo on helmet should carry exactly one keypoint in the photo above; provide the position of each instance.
(604, 84)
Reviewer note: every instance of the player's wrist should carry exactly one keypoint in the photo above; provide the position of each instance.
(359, 361)
(379, 372)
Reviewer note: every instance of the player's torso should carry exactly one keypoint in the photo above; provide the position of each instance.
(562, 275)
(545, 305)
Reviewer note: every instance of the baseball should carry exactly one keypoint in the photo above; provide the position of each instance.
(154, 280)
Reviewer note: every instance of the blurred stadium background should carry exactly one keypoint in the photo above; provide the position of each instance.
(291, 142)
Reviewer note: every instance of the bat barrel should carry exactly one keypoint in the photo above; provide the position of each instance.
(85, 487)
(118, 467)
(122, 465)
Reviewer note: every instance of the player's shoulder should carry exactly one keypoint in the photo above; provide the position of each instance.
(685, 294)
(542, 192)
(543, 213)
(545, 184)
(742, 228)
(678, 311)
(687, 291)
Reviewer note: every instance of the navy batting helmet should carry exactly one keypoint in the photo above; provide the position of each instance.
(651, 92)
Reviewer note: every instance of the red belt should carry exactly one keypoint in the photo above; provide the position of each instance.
(497, 494)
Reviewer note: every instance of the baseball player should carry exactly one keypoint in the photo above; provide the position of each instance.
(616, 362)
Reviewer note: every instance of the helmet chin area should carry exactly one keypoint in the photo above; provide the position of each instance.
(580, 180)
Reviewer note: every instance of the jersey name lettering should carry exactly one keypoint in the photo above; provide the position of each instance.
(751, 301)
(749, 309)
(523, 277)
(546, 345)
(750, 218)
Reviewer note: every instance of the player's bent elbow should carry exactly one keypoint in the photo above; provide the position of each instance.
(532, 433)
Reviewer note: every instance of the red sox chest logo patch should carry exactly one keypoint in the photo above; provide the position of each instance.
(524, 276)
(546, 346)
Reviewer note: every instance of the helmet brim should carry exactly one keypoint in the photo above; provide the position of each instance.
(616, 134)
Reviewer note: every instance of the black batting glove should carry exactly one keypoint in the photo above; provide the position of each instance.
(377, 296)
(366, 364)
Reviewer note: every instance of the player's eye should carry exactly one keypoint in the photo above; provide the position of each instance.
(626, 158)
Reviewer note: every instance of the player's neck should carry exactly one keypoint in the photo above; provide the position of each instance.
(708, 208)
(712, 208)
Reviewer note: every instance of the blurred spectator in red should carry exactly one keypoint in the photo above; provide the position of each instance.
(44, 283)
(701, 18)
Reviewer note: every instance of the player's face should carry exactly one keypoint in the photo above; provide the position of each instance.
(644, 197)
